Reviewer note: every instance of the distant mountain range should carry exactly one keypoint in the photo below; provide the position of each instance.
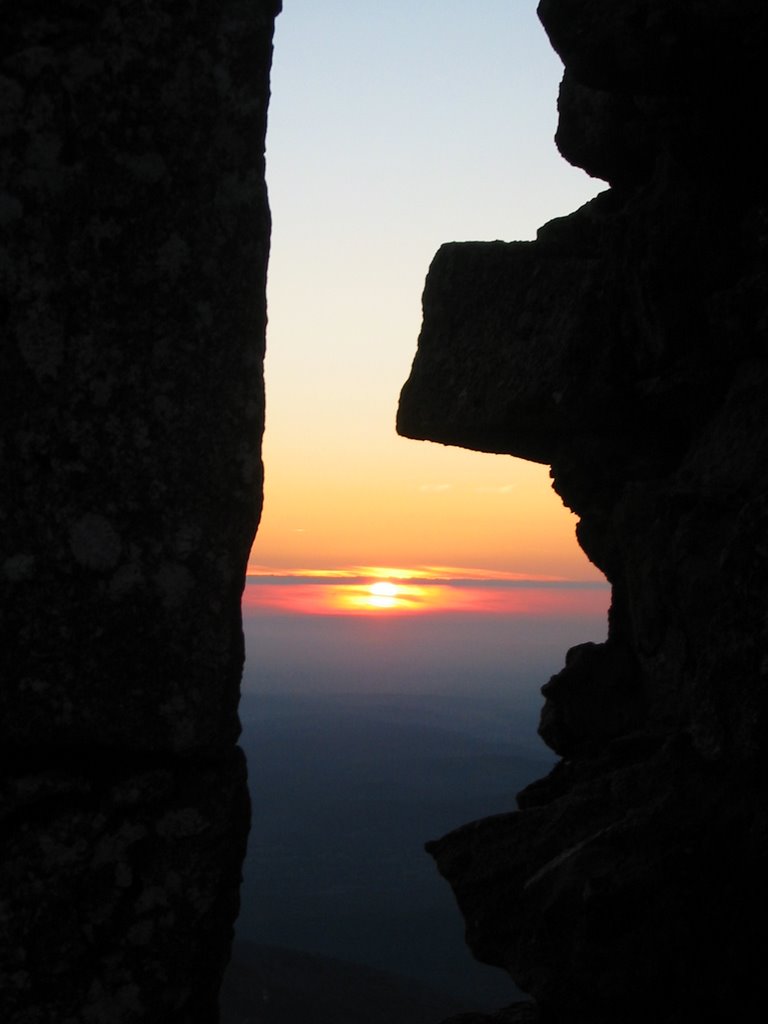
(270, 985)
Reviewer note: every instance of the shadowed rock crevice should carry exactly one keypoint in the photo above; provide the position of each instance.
(626, 348)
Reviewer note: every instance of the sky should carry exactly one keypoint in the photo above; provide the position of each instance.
(392, 129)
(433, 584)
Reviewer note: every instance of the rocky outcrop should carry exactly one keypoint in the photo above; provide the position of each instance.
(626, 347)
(135, 233)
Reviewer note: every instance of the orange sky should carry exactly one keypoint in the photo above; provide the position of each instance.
(368, 175)
(425, 505)
(390, 592)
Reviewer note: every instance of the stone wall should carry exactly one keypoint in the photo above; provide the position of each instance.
(135, 234)
(626, 348)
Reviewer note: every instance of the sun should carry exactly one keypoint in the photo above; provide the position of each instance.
(383, 594)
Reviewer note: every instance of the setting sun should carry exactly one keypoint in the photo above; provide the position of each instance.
(383, 594)
(388, 592)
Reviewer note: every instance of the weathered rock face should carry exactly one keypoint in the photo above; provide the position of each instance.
(626, 347)
(135, 234)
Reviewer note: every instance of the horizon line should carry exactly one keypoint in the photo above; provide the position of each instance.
(424, 576)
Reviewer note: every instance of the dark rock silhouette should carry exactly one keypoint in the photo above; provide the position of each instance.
(626, 347)
(135, 233)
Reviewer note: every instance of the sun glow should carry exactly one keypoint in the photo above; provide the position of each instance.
(382, 593)
(381, 596)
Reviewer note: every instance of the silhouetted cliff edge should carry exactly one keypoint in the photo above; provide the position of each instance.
(626, 347)
(133, 247)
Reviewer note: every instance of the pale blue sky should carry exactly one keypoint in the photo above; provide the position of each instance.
(395, 127)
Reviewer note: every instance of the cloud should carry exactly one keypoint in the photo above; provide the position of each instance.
(435, 488)
(499, 489)
(425, 577)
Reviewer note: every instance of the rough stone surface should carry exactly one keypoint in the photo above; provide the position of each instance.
(133, 250)
(518, 1013)
(626, 347)
(119, 889)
